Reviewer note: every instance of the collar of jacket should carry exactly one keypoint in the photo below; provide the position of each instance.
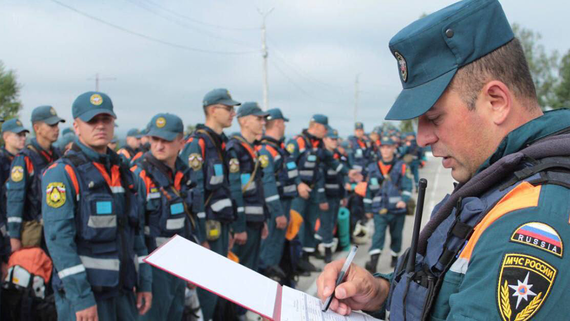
(552, 122)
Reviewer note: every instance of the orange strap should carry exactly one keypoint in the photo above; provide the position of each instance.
(301, 143)
(178, 180)
(385, 169)
(29, 165)
(115, 179)
(73, 178)
(525, 195)
(403, 169)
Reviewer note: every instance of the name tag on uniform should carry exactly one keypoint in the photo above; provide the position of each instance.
(104, 207)
(374, 181)
(245, 179)
(218, 170)
(312, 158)
(291, 165)
(176, 208)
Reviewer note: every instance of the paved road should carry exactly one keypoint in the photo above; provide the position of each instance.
(440, 183)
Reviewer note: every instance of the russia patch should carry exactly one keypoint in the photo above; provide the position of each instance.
(539, 235)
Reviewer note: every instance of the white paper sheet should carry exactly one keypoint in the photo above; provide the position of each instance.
(297, 305)
(217, 274)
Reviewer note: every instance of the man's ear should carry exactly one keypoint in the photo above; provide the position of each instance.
(497, 98)
(75, 126)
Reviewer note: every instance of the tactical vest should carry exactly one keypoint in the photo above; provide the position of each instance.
(386, 190)
(413, 294)
(106, 226)
(5, 162)
(217, 196)
(334, 182)
(361, 152)
(33, 201)
(251, 177)
(168, 205)
(309, 159)
(286, 173)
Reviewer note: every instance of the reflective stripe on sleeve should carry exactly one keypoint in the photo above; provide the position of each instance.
(100, 264)
(272, 198)
(254, 210)
(221, 204)
(71, 271)
(14, 219)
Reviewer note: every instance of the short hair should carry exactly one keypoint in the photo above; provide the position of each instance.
(507, 64)
(269, 123)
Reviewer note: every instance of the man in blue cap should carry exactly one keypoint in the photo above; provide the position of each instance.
(388, 191)
(206, 155)
(164, 184)
(495, 248)
(246, 181)
(24, 185)
(280, 181)
(133, 143)
(334, 192)
(413, 155)
(361, 151)
(14, 136)
(308, 151)
(93, 227)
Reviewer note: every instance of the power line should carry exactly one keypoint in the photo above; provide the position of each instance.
(140, 35)
(197, 21)
(301, 88)
(186, 26)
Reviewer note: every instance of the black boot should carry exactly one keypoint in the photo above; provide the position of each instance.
(371, 265)
(305, 265)
(394, 261)
(328, 255)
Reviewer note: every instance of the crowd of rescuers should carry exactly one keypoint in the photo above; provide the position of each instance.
(77, 218)
(79, 214)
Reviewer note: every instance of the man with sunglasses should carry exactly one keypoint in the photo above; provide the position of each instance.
(24, 185)
(205, 152)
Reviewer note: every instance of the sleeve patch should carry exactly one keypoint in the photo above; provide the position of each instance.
(17, 173)
(539, 235)
(264, 160)
(195, 161)
(524, 284)
(234, 165)
(55, 194)
(291, 148)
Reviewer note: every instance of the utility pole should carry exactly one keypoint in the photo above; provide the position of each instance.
(264, 54)
(356, 98)
(97, 79)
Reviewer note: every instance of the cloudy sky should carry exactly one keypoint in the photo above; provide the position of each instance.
(164, 55)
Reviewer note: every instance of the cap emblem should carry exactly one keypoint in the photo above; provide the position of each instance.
(402, 66)
(96, 99)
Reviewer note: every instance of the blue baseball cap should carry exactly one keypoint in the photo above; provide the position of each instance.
(387, 141)
(358, 125)
(332, 133)
(219, 96)
(134, 132)
(250, 108)
(46, 114)
(320, 119)
(13, 125)
(275, 113)
(90, 104)
(166, 126)
(431, 50)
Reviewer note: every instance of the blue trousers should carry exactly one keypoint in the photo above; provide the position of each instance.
(248, 253)
(167, 297)
(309, 210)
(272, 246)
(328, 221)
(209, 300)
(119, 308)
(395, 222)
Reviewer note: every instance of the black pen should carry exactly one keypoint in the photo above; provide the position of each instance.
(340, 278)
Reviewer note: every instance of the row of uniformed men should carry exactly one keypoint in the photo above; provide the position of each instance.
(91, 237)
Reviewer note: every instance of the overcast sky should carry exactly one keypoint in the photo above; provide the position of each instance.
(316, 49)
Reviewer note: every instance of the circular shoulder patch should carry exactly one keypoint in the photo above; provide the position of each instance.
(55, 194)
(96, 99)
(160, 122)
(195, 161)
(17, 173)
